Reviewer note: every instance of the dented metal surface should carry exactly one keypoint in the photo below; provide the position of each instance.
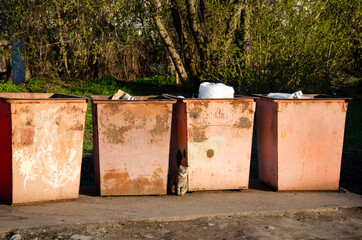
(214, 139)
(41, 146)
(131, 144)
(300, 142)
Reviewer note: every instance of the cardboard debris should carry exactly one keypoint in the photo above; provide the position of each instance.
(122, 95)
(118, 95)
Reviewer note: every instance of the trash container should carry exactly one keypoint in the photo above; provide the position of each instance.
(214, 139)
(41, 142)
(300, 142)
(131, 144)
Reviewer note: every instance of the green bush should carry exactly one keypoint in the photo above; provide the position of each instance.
(6, 86)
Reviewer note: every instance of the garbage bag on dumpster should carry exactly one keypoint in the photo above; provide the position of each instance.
(215, 90)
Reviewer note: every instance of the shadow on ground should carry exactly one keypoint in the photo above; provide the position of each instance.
(350, 180)
(351, 172)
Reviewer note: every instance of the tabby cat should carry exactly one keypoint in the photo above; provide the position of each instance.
(179, 181)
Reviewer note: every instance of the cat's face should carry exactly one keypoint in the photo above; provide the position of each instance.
(183, 170)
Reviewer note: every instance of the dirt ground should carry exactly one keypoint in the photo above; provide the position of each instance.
(338, 224)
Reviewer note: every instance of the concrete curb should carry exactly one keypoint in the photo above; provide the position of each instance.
(249, 214)
(93, 209)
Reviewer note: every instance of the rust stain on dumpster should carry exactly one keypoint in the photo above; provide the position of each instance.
(77, 127)
(114, 134)
(197, 134)
(113, 108)
(29, 123)
(27, 138)
(243, 123)
(161, 125)
(197, 109)
(195, 112)
(120, 182)
(237, 105)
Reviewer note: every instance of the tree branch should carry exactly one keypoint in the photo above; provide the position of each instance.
(196, 30)
(156, 8)
(233, 21)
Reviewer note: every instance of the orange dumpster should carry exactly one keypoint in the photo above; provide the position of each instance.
(131, 145)
(214, 138)
(300, 142)
(41, 142)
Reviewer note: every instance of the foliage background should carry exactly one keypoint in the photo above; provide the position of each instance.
(281, 45)
(86, 47)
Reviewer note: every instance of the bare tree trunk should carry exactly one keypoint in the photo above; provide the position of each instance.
(186, 51)
(168, 43)
(63, 50)
(177, 22)
(246, 40)
(196, 30)
(234, 20)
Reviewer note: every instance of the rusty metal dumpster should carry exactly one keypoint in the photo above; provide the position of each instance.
(300, 142)
(131, 145)
(41, 141)
(215, 139)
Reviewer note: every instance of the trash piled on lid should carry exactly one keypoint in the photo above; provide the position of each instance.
(121, 95)
(215, 90)
(295, 95)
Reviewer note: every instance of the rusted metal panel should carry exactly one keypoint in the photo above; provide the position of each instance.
(132, 144)
(215, 137)
(46, 146)
(300, 142)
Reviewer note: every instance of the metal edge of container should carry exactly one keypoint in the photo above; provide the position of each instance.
(318, 97)
(104, 99)
(53, 97)
(237, 97)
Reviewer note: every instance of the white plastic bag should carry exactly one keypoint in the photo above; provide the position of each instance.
(295, 95)
(215, 90)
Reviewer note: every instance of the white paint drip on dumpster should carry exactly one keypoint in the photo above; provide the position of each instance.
(27, 165)
(44, 159)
